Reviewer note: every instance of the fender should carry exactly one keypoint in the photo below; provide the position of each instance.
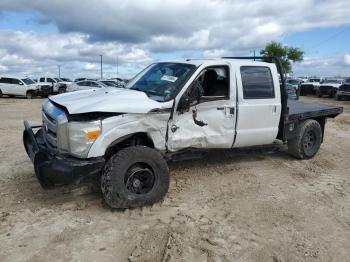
(116, 129)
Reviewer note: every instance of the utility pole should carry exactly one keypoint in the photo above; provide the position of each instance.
(117, 66)
(59, 71)
(101, 68)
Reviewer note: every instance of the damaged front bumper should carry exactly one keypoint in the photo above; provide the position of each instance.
(52, 168)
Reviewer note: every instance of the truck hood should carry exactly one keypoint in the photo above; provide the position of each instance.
(111, 100)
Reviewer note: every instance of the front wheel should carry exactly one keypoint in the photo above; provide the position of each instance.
(29, 95)
(338, 97)
(134, 177)
(61, 90)
(307, 141)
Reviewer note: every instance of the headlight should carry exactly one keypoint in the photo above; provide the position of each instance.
(81, 136)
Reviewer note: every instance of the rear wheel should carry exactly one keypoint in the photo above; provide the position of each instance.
(29, 95)
(134, 177)
(308, 140)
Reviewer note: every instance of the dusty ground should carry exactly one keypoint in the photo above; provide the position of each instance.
(244, 205)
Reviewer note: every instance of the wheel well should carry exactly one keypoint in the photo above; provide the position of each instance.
(30, 91)
(127, 141)
(322, 121)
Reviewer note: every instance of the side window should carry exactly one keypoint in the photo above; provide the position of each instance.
(42, 79)
(15, 81)
(93, 84)
(50, 80)
(5, 80)
(257, 82)
(215, 81)
(83, 83)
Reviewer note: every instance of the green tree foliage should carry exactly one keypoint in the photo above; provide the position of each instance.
(285, 53)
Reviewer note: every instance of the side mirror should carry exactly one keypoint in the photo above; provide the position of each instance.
(20, 83)
(190, 97)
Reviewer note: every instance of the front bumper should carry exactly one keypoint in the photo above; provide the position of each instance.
(44, 91)
(52, 168)
(343, 93)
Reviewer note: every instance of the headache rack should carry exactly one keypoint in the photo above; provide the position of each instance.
(284, 95)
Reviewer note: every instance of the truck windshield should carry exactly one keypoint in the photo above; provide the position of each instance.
(162, 81)
(28, 81)
(334, 81)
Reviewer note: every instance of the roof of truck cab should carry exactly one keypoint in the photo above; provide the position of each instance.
(233, 62)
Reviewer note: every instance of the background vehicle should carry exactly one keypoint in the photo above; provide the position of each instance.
(310, 86)
(126, 134)
(344, 90)
(292, 92)
(26, 87)
(114, 83)
(86, 84)
(58, 85)
(329, 87)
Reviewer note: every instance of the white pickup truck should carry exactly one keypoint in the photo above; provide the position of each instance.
(59, 86)
(126, 135)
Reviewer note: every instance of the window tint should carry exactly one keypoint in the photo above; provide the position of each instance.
(6, 80)
(15, 81)
(83, 83)
(50, 80)
(257, 82)
(42, 79)
(93, 84)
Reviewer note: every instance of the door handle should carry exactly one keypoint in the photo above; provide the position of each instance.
(220, 108)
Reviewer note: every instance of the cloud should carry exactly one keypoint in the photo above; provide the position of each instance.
(347, 59)
(323, 66)
(136, 32)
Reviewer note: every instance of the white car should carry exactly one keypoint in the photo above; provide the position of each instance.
(13, 86)
(85, 85)
(58, 85)
(329, 87)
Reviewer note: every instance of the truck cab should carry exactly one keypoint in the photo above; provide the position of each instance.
(126, 135)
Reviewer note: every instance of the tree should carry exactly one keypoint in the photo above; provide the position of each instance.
(284, 53)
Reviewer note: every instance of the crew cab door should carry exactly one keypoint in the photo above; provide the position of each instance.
(211, 122)
(259, 105)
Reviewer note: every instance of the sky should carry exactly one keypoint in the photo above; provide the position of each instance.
(37, 37)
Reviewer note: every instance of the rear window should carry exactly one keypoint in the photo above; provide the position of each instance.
(257, 82)
(6, 80)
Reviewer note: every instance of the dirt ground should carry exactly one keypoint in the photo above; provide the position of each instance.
(256, 204)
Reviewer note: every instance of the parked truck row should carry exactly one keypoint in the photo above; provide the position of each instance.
(124, 136)
(338, 88)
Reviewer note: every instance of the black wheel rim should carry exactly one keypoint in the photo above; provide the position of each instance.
(139, 179)
(309, 140)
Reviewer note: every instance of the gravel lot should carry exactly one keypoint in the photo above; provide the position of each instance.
(256, 204)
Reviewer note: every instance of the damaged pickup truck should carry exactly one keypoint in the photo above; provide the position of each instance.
(125, 135)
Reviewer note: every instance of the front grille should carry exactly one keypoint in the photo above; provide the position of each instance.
(54, 126)
(345, 88)
(308, 87)
(325, 88)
